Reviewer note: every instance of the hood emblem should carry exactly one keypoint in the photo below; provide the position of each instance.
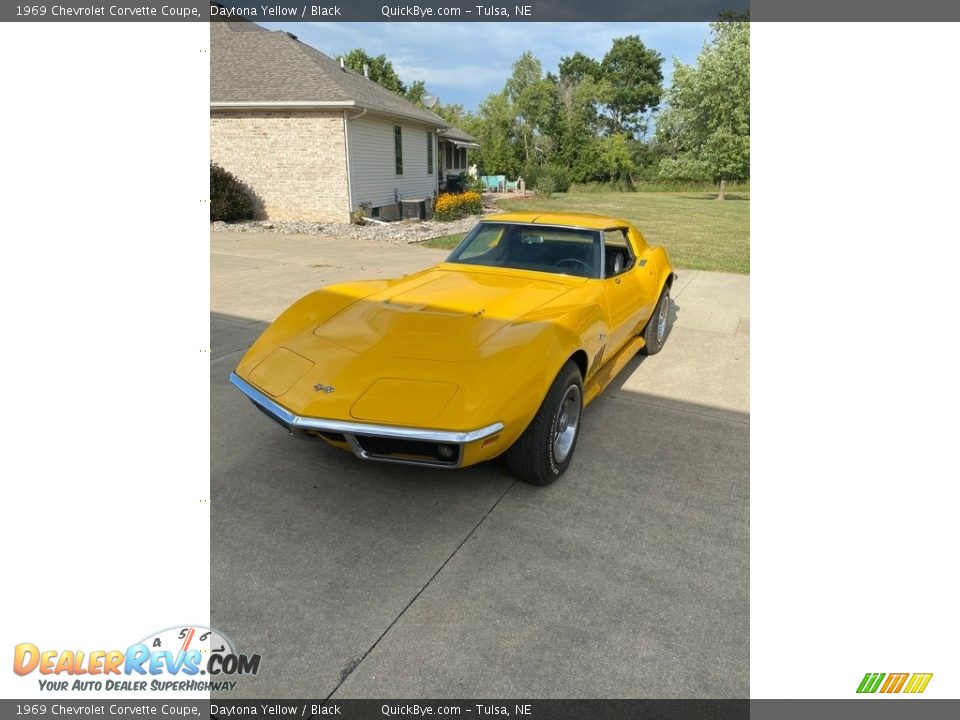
(320, 387)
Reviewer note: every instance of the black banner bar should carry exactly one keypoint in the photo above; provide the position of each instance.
(372, 10)
(497, 709)
(476, 10)
(872, 708)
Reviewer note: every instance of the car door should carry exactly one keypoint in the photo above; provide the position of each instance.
(625, 288)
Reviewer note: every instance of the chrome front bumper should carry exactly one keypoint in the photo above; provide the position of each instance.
(369, 441)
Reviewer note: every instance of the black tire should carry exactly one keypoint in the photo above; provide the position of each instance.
(540, 455)
(655, 334)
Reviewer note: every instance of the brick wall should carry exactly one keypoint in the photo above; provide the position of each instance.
(295, 161)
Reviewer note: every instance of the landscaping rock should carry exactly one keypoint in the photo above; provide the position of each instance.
(400, 232)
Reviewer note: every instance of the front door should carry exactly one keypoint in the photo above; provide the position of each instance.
(624, 289)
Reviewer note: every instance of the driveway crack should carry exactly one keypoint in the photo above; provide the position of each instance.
(347, 671)
(692, 278)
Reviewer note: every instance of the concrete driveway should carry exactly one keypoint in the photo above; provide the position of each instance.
(629, 577)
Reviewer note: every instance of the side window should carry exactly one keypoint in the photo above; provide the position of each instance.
(398, 149)
(618, 257)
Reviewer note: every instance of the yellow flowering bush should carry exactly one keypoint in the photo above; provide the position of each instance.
(452, 206)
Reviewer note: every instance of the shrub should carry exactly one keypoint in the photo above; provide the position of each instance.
(230, 199)
(471, 203)
(544, 186)
(531, 174)
(552, 178)
(452, 206)
(474, 184)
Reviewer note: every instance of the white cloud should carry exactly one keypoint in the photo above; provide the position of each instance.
(465, 62)
(474, 76)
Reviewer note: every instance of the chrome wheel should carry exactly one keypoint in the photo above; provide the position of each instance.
(662, 318)
(568, 420)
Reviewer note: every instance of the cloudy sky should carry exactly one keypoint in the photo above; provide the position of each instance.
(465, 62)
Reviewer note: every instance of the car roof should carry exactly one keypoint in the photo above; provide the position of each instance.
(585, 220)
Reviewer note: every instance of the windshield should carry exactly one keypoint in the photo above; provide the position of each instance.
(545, 248)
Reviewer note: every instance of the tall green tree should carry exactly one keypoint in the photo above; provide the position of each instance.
(576, 124)
(415, 92)
(615, 161)
(453, 113)
(578, 67)
(635, 78)
(379, 69)
(494, 129)
(530, 97)
(706, 125)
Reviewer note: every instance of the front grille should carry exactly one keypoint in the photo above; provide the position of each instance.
(414, 450)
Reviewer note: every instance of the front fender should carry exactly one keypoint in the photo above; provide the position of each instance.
(514, 370)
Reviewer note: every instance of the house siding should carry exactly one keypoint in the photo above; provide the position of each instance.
(372, 162)
(295, 161)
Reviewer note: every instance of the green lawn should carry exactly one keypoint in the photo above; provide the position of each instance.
(698, 231)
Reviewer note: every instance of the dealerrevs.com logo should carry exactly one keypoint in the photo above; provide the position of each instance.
(894, 683)
(185, 658)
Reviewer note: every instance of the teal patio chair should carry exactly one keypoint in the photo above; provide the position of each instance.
(491, 183)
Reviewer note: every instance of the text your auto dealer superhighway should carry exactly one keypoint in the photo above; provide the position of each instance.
(119, 11)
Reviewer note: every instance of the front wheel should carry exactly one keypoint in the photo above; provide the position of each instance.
(543, 452)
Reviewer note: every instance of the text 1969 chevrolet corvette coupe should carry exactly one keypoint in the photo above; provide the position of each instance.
(496, 350)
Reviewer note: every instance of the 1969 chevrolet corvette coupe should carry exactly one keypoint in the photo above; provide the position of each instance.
(496, 350)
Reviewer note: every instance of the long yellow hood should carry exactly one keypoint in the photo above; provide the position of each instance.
(415, 351)
(441, 315)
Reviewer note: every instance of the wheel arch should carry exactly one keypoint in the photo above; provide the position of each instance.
(582, 361)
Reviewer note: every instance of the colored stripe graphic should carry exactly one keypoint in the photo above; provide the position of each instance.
(918, 683)
(894, 682)
(870, 682)
(186, 642)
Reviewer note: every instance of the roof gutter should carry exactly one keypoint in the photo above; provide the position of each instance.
(283, 105)
(318, 105)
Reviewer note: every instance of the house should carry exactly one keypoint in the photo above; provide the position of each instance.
(315, 139)
(453, 145)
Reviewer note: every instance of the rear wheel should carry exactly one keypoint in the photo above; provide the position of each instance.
(656, 332)
(543, 452)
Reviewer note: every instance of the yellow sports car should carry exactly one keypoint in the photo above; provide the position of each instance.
(495, 350)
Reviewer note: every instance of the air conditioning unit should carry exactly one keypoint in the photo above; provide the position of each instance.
(416, 208)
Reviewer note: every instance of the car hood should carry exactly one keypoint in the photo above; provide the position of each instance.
(442, 315)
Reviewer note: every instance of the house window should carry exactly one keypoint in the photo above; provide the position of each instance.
(398, 148)
(429, 153)
(462, 157)
(449, 148)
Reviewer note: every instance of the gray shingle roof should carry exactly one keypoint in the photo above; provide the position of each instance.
(457, 135)
(250, 64)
